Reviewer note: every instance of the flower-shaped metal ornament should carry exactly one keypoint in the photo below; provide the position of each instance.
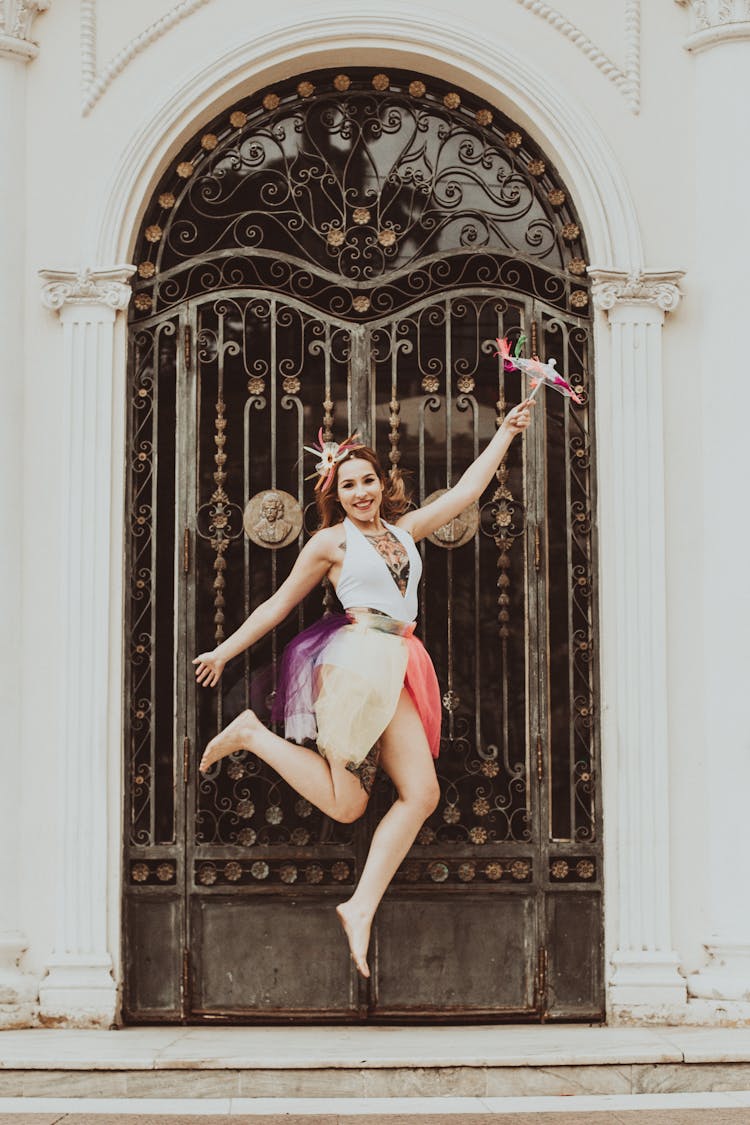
(539, 373)
(330, 453)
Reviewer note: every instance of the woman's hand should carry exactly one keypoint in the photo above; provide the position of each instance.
(517, 419)
(210, 667)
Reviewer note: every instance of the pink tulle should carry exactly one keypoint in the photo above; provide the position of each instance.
(422, 685)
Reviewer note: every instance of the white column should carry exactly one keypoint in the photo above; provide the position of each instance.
(79, 987)
(633, 625)
(720, 45)
(18, 990)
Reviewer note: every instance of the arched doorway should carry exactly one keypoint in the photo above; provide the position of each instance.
(339, 251)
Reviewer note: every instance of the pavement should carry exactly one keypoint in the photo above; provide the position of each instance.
(655, 1117)
(687, 1117)
(730, 1108)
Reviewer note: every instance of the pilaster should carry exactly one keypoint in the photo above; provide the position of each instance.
(721, 78)
(633, 610)
(79, 987)
(17, 989)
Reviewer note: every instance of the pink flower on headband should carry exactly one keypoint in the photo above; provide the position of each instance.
(330, 453)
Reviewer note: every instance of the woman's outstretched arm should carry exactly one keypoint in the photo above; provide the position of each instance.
(473, 482)
(313, 563)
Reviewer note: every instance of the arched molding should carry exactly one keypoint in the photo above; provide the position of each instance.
(502, 76)
(626, 78)
(95, 82)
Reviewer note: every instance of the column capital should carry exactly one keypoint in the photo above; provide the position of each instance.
(86, 287)
(16, 18)
(716, 21)
(660, 290)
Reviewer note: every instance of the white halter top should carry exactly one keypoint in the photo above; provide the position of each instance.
(366, 581)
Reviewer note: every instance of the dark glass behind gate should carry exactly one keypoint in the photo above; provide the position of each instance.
(500, 899)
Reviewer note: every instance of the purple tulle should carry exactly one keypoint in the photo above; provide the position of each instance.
(293, 702)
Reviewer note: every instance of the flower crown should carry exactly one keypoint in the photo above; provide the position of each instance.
(330, 453)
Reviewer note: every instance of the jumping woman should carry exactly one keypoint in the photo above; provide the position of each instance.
(359, 684)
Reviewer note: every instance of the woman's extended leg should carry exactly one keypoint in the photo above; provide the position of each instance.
(331, 787)
(405, 757)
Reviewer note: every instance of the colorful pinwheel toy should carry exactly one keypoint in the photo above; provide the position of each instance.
(539, 373)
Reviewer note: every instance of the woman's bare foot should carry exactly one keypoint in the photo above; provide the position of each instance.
(356, 926)
(237, 736)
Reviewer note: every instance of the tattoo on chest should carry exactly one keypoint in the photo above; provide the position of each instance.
(396, 558)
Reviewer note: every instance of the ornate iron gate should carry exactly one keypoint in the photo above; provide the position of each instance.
(320, 267)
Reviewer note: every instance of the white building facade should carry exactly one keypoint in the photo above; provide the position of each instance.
(640, 110)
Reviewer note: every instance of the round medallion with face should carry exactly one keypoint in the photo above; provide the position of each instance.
(272, 518)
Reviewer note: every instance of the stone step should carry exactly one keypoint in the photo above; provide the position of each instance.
(382, 1082)
(371, 1062)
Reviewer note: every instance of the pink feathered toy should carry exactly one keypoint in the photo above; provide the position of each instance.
(538, 372)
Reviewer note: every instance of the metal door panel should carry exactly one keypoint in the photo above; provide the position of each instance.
(574, 976)
(154, 979)
(268, 955)
(457, 954)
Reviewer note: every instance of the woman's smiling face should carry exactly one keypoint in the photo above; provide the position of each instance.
(359, 489)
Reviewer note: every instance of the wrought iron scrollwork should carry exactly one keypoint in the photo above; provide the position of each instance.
(571, 605)
(149, 728)
(219, 521)
(359, 201)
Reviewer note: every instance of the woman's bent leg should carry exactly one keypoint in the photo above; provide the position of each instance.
(331, 787)
(405, 757)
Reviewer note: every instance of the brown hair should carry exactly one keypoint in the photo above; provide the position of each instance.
(394, 502)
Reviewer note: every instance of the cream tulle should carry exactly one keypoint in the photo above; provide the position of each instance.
(359, 680)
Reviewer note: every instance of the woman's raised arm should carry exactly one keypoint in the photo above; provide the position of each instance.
(313, 563)
(473, 482)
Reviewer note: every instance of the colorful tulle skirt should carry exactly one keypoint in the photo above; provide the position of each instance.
(341, 679)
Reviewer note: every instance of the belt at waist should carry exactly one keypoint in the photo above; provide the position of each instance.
(381, 622)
